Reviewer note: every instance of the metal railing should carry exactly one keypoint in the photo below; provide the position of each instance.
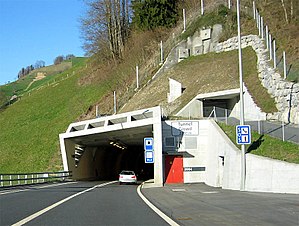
(15, 179)
(277, 129)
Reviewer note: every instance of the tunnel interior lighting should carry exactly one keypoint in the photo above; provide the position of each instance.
(118, 144)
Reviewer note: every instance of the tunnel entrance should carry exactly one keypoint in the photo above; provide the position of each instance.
(111, 144)
(111, 161)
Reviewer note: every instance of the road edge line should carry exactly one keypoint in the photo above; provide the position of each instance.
(155, 209)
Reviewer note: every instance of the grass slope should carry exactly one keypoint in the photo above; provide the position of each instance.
(27, 83)
(265, 145)
(30, 127)
(204, 74)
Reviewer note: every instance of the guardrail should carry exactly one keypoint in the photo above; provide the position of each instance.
(277, 129)
(7, 180)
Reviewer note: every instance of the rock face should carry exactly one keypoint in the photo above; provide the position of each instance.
(286, 93)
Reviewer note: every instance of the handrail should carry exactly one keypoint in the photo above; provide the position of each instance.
(7, 180)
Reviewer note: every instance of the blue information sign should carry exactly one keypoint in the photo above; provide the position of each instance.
(149, 157)
(148, 144)
(243, 134)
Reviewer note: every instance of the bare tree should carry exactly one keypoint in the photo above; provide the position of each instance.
(39, 64)
(106, 25)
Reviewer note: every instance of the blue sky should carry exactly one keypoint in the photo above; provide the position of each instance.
(32, 30)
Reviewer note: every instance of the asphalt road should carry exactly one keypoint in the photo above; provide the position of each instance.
(82, 203)
(199, 204)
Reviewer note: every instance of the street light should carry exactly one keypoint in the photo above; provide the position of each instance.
(243, 160)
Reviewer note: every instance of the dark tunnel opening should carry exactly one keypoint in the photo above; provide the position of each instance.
(110, 161)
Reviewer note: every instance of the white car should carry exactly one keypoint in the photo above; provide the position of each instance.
(127, 176)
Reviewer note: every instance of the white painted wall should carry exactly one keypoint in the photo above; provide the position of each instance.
(269, 175)
(219, 145)
(195, 153)
(262, 174)
(252, 113)
(175, 90)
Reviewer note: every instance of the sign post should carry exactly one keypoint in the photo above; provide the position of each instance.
(148, 150)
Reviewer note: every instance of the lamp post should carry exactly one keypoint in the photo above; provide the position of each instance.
(243, 160)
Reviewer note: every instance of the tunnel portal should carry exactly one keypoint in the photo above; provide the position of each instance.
(101, 148)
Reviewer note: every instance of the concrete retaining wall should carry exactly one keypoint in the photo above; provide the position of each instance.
(286, 93)
(262, 174)
(268, 175)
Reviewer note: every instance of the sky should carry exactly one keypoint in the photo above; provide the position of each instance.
(32, 30)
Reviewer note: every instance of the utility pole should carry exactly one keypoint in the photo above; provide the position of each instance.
(243, 160)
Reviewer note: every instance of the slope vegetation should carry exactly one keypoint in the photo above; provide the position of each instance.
(30, 127)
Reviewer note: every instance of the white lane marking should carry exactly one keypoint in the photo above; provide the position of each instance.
(157, 211)
(37, 214)
(38, 187)
(178, 189)
(210, 192)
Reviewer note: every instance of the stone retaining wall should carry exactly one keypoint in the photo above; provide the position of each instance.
(286, 93)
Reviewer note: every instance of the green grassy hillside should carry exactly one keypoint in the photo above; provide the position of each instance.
(29, 82)
(30, 127)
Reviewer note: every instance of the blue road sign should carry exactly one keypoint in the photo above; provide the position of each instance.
(243, 134)
(148, 144)
(149, 157)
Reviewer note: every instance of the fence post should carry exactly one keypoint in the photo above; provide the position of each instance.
(184, 20)
(114, 101)
(259, 126)
(282, 126)
(257, 17)
(284, 65)
(162, 55)
(18, 179)
(259, 24)
(274, 53)
(267, 35)
(229, 4)
(32, 180)
(137, 77)
(215, 116)
(97, 111)
(262, 27)
(253, 8)
(226, 116)
(270, 46)
(10, 182)
(201, 7)
(26, 179)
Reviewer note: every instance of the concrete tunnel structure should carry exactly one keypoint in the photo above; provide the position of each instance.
(185, 151)
(114, 143)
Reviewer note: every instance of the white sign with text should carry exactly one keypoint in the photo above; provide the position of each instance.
(184, 127)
